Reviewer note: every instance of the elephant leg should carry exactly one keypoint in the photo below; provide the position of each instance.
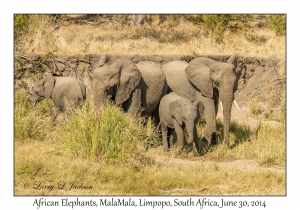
(155, 117)
(210, 129)
(216, 100)
(171, 138)
(54, 114)
(180, 136)
(164, 131)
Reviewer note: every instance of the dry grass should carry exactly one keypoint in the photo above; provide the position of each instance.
(59, 155)
(50, 164)
(175, 36)
(178, 38)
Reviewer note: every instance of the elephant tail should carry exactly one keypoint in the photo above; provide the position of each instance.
(83, 89)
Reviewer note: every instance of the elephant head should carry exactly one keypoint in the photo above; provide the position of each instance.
(114, 82)
(217, 79)
(42, 89)
(184, 111)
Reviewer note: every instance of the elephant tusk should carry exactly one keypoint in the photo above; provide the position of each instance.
(221, 105)
(34, 104)
(237, 106)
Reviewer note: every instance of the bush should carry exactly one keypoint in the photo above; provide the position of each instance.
(31, 25)
(105, 133)
(219, 23)
(277, 23)
(20, 25)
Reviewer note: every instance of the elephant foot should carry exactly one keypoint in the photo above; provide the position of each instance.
(226, 141)
(196, 149)
(179, 151)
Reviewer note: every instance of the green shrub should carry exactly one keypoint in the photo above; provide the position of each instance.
(20, 25)
(219, 23)
(30, 168)
(277, 23)
(105, 133)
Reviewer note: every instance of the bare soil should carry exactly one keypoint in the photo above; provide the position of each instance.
(224, 163)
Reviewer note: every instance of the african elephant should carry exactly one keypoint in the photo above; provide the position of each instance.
(137, 88)
(179, 113)
(61, 90)
(209, 81)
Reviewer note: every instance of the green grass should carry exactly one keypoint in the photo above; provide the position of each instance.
(105, 132)
(31, 122)
(265, 144)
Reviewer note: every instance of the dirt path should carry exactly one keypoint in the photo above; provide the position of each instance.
(224, 163)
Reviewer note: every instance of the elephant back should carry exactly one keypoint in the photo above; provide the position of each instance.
(177, 80)
(67, 88)
(153, 84)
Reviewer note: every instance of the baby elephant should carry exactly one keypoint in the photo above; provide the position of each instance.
(60, 90)
(177, 113)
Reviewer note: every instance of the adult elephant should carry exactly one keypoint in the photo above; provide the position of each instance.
(61, 90)
(209, 81)
(137, 88)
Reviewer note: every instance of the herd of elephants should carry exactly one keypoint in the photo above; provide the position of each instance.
(175, 95)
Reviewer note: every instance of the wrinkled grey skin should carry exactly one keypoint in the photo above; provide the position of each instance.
(137, 88)
(179, 113)
(60, 90)
(209, 81)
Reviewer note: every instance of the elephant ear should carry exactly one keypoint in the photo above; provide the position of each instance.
(103, 59)
(175, 111)
(49, 85)
(199, 75)
(237, 61)
(130, 77)
(200, 107)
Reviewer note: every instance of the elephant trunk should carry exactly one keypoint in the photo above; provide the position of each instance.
(227, 99)
(191, 130)
(34, 100)
(226, 116)
(99, 96)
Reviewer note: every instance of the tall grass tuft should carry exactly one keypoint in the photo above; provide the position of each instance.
(30, 122)
(105, 133)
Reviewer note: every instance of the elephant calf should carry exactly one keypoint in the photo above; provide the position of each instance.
(177, 113)
(61, 90)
